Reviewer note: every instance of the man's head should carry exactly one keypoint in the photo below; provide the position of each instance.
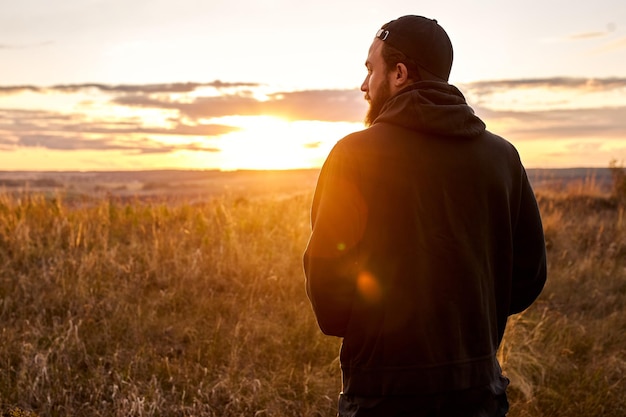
(423, 43)
(405, 50)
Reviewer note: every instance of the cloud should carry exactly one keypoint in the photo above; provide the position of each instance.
(86, 129)
(326, 105)
(22, 128)
(551, 83)
(149, 88)
(41, 121)
(610, 28)
(179, 129)
(187, 87)
(16, 116)
(548, 94)
(7, 142)
(81, 143)
(587, 35)
(608, 123)
(67, 143)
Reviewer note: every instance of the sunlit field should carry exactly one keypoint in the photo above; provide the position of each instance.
(122, 307)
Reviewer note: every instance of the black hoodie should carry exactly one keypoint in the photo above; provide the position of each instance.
(425, 237)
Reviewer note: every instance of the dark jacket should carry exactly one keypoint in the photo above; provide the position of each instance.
(426, 237)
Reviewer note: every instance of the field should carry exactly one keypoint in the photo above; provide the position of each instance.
(178, 294)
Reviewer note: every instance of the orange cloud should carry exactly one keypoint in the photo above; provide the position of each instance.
(126, 88)
(326, 105)
(550, 120)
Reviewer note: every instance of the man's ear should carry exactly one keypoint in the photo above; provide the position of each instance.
(401, 75)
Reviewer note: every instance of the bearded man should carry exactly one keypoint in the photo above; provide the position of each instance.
(426, 237)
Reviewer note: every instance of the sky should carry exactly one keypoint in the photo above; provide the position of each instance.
(211, 84)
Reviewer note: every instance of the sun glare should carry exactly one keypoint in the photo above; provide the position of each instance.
(268, 142)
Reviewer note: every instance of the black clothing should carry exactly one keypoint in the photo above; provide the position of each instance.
(425, 237)
(478, 402)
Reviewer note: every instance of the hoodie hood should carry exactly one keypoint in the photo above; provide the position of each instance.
(432, 107)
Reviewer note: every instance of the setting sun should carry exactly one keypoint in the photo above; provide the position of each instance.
(268, 142)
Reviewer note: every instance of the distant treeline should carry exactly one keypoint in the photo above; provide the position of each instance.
(172, 179)
(562, 177)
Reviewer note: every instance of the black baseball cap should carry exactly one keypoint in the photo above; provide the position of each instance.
(421, 39)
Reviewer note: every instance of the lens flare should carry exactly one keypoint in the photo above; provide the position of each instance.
(369, 287)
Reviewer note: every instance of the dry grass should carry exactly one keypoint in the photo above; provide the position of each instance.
(566, 355)
(153, 309)
(136, 310)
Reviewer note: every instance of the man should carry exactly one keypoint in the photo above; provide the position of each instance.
(425, 237)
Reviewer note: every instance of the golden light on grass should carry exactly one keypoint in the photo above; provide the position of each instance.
(120, 307)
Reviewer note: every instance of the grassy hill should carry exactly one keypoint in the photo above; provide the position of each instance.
(114, 305)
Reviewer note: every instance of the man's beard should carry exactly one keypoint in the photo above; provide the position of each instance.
(377, 103)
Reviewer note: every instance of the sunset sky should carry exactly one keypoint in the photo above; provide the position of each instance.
(212, 84)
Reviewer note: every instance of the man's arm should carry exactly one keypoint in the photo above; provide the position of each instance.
(529, 252)
(331, 257)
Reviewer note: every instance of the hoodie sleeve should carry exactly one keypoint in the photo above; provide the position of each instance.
(529, 252)
(331, 257)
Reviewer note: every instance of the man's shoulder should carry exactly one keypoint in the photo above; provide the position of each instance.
(501, 142)
(375, 132)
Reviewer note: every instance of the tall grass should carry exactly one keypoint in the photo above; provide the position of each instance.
(566, 355)
(156, 309)
(138, 310)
